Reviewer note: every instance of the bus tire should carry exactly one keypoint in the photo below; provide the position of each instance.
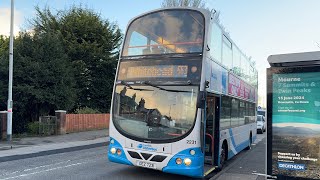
(250, 142)
(223, 155)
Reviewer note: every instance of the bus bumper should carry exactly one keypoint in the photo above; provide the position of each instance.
(195, 169)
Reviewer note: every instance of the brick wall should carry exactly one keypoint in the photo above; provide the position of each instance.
(84, 122)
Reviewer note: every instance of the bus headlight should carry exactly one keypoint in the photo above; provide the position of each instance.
(112, 141)
(192, 152)
(113, 150)
(178, 161)
(187, 161)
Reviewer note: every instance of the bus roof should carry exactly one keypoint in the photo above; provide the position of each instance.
(205, 12)
(208, 15)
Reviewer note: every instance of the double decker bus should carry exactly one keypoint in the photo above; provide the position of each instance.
(184, 97)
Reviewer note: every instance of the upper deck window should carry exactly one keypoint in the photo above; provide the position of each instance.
(165, 32)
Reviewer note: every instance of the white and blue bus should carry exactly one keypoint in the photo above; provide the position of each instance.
(184, 97)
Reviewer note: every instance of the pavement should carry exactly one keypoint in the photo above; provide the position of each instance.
(248, 165)
(27, 147)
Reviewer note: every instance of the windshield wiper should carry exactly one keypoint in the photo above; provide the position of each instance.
(137, 89)
(169, 90)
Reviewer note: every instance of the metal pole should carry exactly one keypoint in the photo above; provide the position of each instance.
(10, 102)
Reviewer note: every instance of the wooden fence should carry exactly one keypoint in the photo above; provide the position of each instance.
(85, 122)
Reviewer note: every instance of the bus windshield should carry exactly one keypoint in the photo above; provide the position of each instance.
(154, 112)
(165, 32)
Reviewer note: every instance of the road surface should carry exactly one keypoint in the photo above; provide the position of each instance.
(93, 164)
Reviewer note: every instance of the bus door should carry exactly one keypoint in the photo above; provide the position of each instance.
(212, 127)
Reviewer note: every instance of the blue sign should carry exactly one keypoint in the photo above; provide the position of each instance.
(291, 166)
(146, 147)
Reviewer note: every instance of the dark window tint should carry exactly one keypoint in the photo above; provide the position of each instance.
(225, 112)
(242, 107)
(234, 112)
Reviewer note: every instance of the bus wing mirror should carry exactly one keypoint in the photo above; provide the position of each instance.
(201, 100)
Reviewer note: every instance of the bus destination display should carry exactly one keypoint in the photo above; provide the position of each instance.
(296, 125)
(161, 71)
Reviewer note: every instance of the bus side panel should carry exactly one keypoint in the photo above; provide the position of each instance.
(238, 138)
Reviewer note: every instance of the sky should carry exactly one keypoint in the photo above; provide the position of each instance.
(259, 28)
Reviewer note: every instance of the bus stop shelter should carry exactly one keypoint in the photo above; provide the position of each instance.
(293, 116)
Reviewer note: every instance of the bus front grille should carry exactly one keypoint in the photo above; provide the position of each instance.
(134, 155)
(158, 158)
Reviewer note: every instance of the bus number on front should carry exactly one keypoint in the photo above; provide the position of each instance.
(191, 142)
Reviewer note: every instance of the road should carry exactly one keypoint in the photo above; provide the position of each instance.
(93, 164)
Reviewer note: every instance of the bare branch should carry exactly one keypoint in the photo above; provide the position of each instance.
(184, 3)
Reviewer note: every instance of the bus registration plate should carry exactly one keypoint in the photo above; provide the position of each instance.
(146, 164)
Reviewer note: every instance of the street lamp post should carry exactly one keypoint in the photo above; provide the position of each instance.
(10, 102)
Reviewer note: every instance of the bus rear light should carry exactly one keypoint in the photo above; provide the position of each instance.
(192, 152)
(187, 161)
(113, 150)
(178, 161)
(119, 152)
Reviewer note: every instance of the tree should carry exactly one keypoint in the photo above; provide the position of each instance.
(92, 44)
(4, 45)
(43, 80)
(4, 63)
(67, 62)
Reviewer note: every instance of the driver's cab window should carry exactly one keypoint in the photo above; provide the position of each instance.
(137, 40)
